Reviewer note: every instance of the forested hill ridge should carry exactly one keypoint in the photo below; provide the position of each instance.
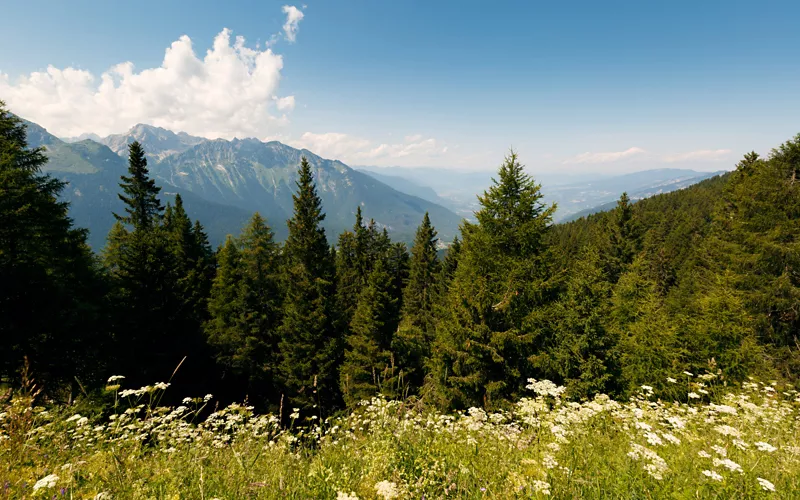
(224, 182)
(698, 281)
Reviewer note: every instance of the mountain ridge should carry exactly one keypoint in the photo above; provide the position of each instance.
(223, 182)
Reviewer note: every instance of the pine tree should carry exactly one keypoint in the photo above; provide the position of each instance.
(262, 301)
(351, 271)
(486, 335)
(368, 366)
(50, 289)
(310, 349)
(141, 193)
(147, 302)
(226, 327)
(582, 353)
(192, 270)
(623, 238)
(414, 337)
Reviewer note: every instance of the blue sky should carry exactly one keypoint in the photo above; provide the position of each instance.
(573, 86)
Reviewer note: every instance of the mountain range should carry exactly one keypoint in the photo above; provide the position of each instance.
(574, 195)
(223, 182)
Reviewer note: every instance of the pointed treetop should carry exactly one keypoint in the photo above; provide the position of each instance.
(143, 207)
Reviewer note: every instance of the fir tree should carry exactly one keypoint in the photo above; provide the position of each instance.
(368, 363)
(486, 334)
(623, 238)
(415, 334)
(141, 193)
(50, 290)
(582, 352)
(148, 305)
(310, 349)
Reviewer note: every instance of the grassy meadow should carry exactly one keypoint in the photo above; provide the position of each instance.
(713, 442)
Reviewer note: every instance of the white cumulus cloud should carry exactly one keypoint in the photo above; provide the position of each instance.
(701, 155)
(232, 91)
(605, 157)
(358, 151)
(292, 24)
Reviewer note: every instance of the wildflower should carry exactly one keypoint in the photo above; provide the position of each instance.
(727, 430)
(295, 414)
(542, 487)
(114, 378)
(765, 485)
(693, 395)
(647, 388)
(703, 454)
(742, 445)
(653, 438)
(549, 462)
(643, 426)
(545, 388)
(346, 496)
(728, 464)
(712, 475)
(162, 386)
(103, 495)
(386, 489)
(207, 398)
(672, 380)
(688, 374)
(720, 450)
(46, 482)
(671, 438)
(762, 446)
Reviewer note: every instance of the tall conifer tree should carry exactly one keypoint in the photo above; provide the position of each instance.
(488, 330)
(50, 290)
(368, 366)
(415, 335)
(310, 349)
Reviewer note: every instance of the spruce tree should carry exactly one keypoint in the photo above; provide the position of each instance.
(368, 366)
(582, 352)
(310, 349)
(192, 270)
(623, 238)
(50, 289)
(414, 337)
(487, 331)
(142, 206)
(147, 300)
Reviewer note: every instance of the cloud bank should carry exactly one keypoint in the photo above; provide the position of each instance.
(230, 92)
(360, 151)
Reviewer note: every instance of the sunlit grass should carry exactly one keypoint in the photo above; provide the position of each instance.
(744, 444)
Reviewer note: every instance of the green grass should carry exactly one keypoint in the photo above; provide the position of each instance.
(543, 447)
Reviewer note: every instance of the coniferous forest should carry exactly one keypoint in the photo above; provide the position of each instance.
(605, 357)
(703, 279)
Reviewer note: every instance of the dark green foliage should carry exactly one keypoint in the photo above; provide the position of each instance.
(368, 367)
(487, 331)
(244, 309)
(415, 335)
(702, 279)
(141, 193)
(50, 288)
(161, 269)
(582, 352)
(309, 346)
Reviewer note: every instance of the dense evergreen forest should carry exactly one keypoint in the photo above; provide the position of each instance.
(703, 279)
